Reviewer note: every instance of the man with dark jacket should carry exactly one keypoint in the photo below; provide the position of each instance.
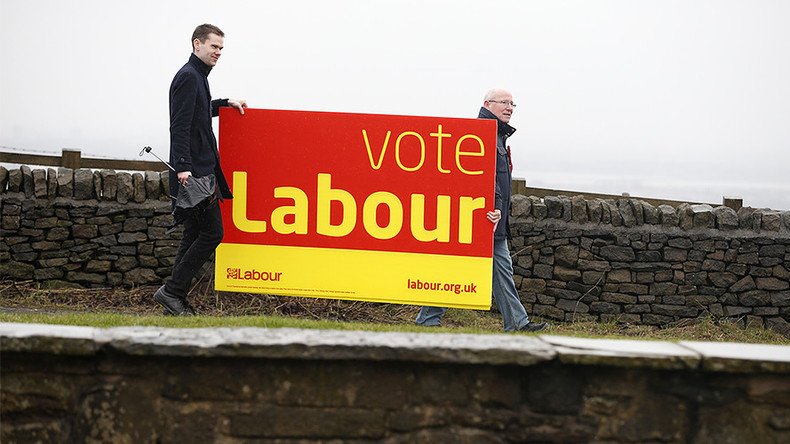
(193, 152)
(498, 104)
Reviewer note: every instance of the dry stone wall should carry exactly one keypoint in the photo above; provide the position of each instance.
(574, 259)
(85, 228)
(625, 260)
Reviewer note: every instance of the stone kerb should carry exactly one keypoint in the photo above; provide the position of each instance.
(85, 184)
(447, 348)
(147, 384)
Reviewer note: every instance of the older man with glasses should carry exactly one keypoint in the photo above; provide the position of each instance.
(498, 104)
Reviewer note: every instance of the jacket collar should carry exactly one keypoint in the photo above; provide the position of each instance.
(199, 65)
(503, 129)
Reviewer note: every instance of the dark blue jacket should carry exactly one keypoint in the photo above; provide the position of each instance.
(193, 146)
(503, 174)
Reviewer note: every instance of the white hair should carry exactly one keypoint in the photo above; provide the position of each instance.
(493, 93)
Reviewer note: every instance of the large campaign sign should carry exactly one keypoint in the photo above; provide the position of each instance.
(364, 207)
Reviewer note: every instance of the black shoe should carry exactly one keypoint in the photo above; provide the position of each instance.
(534, 326)
(189, 309)
(173, 305)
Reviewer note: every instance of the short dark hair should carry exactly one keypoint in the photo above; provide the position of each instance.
(201, 33)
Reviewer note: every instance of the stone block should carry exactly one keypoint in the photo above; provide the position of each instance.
(566, 274)
(3, 178)
(770, 261)
(656, 319)
(109, 181)
(65, 182)
(645, 277)
(610, 214)
(141, 276)
(88, 278)
(27, 181)
(700, 278)
(548, 311)
(593, 265)
(663, 288)
(632, 288)
(543, 271)
(626, 211)
(618, 298)
(553, 207)
(618, 253)
(649, 256)
(85, 231)
(14, 180)
(713, 265)
(566, 255)
(83, 184)
(539, 208)
(571, 306)
(667, 216)
(563, 293)
(780, 325)
(153, 185)
(686, 216)
(592, 277)
(664, 275)
(605, 307)
(674, 299)
(39, 178)
(771, 221)
(132, 238)
(16, 270)
(567, 214)
(736, 311)
(595, 210)
(772, 284)
(96, 266)
(723, 279)
(675, 255)
(726, 218)
(737, 269)
(138, 187)
(675, 310)
(619, 276)
(125, 188)
(520, 205)
(765, 311)
(579, 210)
(97, 185)
(701, 300)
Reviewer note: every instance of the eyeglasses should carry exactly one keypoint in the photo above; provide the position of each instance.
(504, 102)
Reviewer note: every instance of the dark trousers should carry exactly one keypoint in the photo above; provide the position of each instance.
(202, 234)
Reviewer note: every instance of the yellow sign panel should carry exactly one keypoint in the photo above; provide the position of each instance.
(401, 278)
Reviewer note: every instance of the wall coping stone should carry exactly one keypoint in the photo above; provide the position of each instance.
(623, 352)
(289, 343)
(737, 357)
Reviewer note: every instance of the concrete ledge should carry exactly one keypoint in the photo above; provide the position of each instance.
(743, 358)
(623, 353)
(383, 346)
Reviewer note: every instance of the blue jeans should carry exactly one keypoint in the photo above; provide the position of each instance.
(514, 316)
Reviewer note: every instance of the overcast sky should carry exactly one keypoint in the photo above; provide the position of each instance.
(683, 99)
